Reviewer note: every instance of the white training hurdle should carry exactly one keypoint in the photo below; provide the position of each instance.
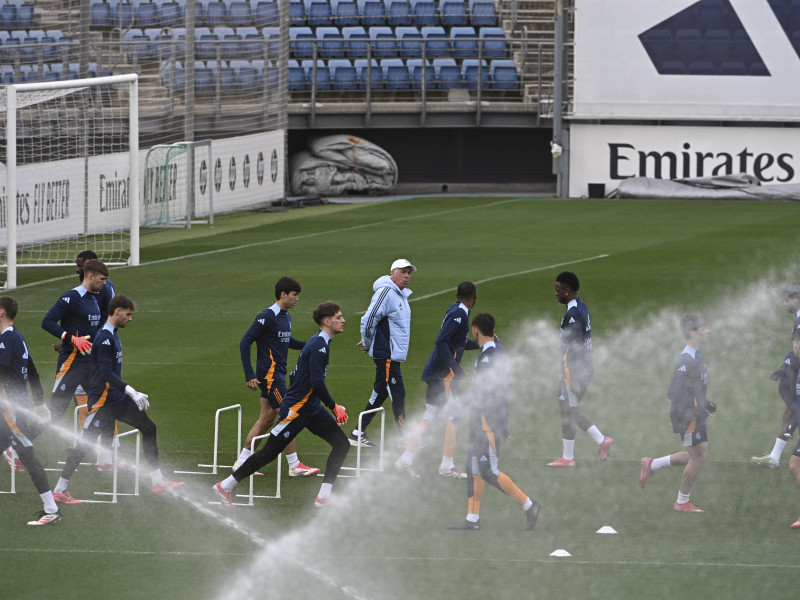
(115, 493)
(215, 464)
(358, 468)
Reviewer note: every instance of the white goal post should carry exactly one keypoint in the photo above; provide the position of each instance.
(70, 174)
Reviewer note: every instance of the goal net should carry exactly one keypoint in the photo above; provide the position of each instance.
(68, 173)
(177, 190)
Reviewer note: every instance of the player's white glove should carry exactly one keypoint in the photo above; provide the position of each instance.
(41, 414)
(138, 397)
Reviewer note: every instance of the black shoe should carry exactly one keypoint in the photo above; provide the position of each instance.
(532, 515)
(364, 441)
(466, 526)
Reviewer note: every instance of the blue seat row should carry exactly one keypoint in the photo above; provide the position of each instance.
(47, 72)
(399, 74)
(29, 45)
(217, 43)
(233, 76)
(16, 15)
(351, 42)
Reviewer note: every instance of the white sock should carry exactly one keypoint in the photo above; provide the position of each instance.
(780, 444)
(660, 463)
(228, 483)
(528, 504)
(157, 477)
(61, 486)
(408, 457)
(596, 435)
(473, 518)
(325, 490)
(49, 504)
(683, 498)
(293, 460)
(244, 455)
(356, 432)
(115, 443)
(104, 456)
(569, 449)
(447, 463)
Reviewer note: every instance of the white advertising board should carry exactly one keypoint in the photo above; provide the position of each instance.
(615, 77)
(607, 154)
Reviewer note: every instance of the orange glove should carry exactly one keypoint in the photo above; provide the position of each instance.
(83, 344)
(340, 414)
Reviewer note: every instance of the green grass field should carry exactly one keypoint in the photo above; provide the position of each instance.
(641, 264)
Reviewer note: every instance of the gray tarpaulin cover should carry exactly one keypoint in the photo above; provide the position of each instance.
(725, 187)
(336, 164)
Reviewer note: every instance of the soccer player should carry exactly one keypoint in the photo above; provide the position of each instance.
(576, 372)
(786, 376)
(440, 373)
(689, 411)
(17, 372)
(488, 428)
(794, 460)
(271, 332)
(112, 400)
(385, 334)
(304, 407)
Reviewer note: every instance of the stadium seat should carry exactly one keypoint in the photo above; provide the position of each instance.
(437, 43)
(473, 71)
(8, 17)
(395, 74)
(424, 13)
(301, 42)
(493, 40)
(482, 14)
(464, 42)
(373, 13)
(7, 74)
(122, 14)
(215, 13)
(322, 80)
(266, 14)
(297, 77)
(232, 46)
(503, 73)
(273, 37)
(415, 70)
(297, 13)
(409, 42)
(171, 15)
(99, 14)
(138, 45)
(160, 42)
(346, 13)
(25, 15)
(384, 44)
(453, 13)
(254, 46)
(146, 15)
(343, 75)
(356, 40)
(319, 13)
(203, 78)
(248, 78)
(398, 13)
(239, 14)
(330, 42)
(205, 44)
(368, 71)
(447, 73)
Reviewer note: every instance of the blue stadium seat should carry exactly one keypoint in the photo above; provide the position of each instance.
(503, 73)
(160, 42)
(301, 42)
(395, 74)
(205, 44)
(447, 73)
(255, 42)
(232, 46)
(25, 18)
(297, 13)
(424, 13)
(473, 71)
(122, 14)
(482, 14)
(319, 13)
(239, 14)
(248, 78)
(273, 37)
(7, 74)
(464, 42)
(138, 45)
(398, 13)
(227, 78)
(346, 13)
(330, 42)
(368, 72)
(437, 43)
(215, 13)
(415, 70)
(146, 15)
(99, 14)
(493, 40)
(8, 16)
(384, 44)
(203, 78)
(172, 76)
(409, 44)
(373, 13)
(171, 15)
(322, 81)
(453, 13)
(356, 40)
(266, 14)
(343, 75)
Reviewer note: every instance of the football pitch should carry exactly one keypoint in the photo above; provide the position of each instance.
(642, 264)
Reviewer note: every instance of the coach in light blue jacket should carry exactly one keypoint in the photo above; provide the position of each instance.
(385, 334)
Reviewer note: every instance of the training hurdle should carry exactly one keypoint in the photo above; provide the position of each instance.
(251, 496)
(215, 464)
(114, 493)
(13, 489)
(358, 468)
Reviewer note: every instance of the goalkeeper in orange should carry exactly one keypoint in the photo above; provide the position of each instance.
(488, 428)
(306, 406)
